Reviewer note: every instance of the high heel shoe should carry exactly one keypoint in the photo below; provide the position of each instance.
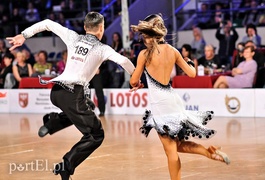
(221, 156)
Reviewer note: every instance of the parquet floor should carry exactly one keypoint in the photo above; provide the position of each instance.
(126, 154)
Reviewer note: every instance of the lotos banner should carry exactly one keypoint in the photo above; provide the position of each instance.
(224, 102)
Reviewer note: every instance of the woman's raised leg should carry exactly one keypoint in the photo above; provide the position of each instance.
(212, 152)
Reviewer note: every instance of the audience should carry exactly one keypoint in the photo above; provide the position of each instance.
(252, 16)
(186, 52)
(22, 68)
(7, 80)
(238, 54)
(32, 14)
(3, 51)
(210, 60)
(198, 43)
(227, 37)
(41, 65)
(29, 56)
(252, 35)
(115, 71)
(243, 74)
(258, 56)
(60, 65)
(203, 16)
(205, 55)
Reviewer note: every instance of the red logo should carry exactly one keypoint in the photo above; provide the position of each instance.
(23, 99)
(2, 95)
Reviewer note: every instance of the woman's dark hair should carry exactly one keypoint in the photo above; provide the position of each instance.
(252, 26)
(9, 56)
(188, 48)
(44, 53)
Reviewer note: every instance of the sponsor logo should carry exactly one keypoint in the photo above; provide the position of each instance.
(232, 104)
(186, 97)
(128, 99)
(23, 99)
(2, 95)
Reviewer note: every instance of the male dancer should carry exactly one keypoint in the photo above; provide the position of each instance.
(85, 54)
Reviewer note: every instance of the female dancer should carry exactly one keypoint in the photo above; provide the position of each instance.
(173, 123)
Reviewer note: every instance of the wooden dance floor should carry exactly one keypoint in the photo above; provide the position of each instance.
(126, 154)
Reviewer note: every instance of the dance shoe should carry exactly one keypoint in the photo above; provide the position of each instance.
(224, 156)
(61, 169)
(220, 156)
(101, 114)
(43, 131)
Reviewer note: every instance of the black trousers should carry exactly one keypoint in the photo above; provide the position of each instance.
(77, 113)
(96, 83)
(56, 122)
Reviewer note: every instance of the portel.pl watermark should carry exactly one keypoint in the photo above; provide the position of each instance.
(35, 165)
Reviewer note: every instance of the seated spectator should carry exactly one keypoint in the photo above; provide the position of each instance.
(22, 68)
(252, 16)
(219, 15)
(29, 56)
(252, 35)
(243, 74)
(238, 54)
(42, 64)
(3, 51)
(186, 52)
(32, 14)
(209, 60)
(7, 80)
(204, 16)
(60, 65)
(258, 56)
(198, 43)
(63, 21)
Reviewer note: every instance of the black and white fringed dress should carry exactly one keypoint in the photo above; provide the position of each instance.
(169, 117)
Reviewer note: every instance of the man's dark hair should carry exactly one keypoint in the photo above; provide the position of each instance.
(92, 20)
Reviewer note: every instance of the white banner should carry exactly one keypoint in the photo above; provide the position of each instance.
(28, 101)
(260, 103)
(121, 101)
(224, 102)
(4, 100)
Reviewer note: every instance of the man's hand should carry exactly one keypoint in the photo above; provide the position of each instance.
(15, 41)
(89, 102)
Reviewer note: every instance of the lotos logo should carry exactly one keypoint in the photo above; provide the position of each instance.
(2, 95)
(23, 99)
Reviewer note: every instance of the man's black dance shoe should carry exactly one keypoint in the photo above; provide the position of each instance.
(43, 131)
(61, 169)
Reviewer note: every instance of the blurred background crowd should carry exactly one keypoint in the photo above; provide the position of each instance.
(222, 16)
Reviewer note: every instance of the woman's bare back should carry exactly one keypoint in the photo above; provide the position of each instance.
(162, 63)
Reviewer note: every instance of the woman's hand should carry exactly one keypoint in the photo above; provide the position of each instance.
(139, 86)
(15, 41)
